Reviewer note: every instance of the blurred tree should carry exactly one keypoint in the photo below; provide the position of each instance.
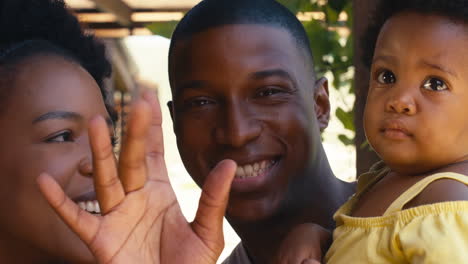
(328, 25)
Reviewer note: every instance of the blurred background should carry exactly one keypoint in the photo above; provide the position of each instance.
(137, 35)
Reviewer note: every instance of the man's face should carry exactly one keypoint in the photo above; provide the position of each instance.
(245, 92)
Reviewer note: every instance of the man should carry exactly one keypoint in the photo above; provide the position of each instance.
(244, 88)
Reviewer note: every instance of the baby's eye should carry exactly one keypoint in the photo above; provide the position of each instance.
(65, 136)
(386, 77)
(435, 84)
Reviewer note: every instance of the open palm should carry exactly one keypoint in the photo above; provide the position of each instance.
(141, 220)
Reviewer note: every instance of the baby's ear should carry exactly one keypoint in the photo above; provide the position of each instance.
(322, 103)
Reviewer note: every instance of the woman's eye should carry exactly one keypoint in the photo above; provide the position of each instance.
(435, 84)
(114, 140)
(386, 77)
(65, 136)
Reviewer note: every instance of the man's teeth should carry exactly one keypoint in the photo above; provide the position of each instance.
(253, 169)
(90, 206)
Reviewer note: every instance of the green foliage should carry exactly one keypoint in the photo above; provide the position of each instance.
(164, 29)
(333, 52)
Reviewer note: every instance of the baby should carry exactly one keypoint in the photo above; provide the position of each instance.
(413, 207)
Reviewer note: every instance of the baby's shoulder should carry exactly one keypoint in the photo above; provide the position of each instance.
(441, 190)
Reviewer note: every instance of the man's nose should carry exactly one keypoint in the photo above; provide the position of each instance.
(401, 101)
(238, 126)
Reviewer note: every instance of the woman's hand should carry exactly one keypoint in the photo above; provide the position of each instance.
(141, 220)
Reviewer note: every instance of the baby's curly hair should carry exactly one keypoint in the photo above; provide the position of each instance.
(24, 22)
(456, 10)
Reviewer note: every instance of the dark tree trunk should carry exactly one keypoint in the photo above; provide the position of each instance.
(365, 157)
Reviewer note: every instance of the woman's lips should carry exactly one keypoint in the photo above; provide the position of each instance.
(90, 206)
(88, 202)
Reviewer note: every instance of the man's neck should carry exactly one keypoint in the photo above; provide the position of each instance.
(263, 238)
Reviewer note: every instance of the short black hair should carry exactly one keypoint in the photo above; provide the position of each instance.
(214, 13)
(456, 10)
(47, 27)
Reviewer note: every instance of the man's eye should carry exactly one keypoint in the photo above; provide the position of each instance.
(65, 136)
(435, 84)
(269, 92)
(199, 102)
(386, 77)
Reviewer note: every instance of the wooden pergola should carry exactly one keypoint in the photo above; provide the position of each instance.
(113, 20)
(120, 18)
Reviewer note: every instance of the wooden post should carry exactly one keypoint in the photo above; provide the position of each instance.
(362, 11)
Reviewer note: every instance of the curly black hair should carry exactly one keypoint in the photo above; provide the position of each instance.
(23, 22)
(456, 10)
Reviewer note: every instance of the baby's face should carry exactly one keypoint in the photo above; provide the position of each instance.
(416, 117)
(44, 129)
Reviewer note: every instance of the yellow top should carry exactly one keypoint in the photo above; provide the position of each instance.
(434, 233)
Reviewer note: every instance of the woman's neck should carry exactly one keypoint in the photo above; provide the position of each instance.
(14, 251)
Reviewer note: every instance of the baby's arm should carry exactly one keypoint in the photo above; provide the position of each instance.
(439, 236)
(305, 244)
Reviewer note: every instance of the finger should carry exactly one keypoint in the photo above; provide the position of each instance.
(155, 143)
(82, 223)
(132, 163)
(109, 190)
(208, 223)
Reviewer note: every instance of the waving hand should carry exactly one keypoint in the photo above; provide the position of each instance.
(141, 220)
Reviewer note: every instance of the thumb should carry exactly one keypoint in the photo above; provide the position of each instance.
(208, 223)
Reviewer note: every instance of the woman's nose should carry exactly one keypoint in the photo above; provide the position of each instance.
(86, 167)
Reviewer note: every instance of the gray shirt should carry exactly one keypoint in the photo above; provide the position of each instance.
(238, 256)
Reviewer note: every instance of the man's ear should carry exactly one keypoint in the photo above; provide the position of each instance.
(322, 103)
(170, 105)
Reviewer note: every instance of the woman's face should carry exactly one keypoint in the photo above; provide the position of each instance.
(44, 129)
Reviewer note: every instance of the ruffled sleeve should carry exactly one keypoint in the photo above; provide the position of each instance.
(435, 233)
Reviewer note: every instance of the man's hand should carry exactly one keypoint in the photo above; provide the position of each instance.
(141, 219)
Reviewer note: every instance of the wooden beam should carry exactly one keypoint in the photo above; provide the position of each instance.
(136, 10)
(136, 17)
(120, 32)
(121, 10)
